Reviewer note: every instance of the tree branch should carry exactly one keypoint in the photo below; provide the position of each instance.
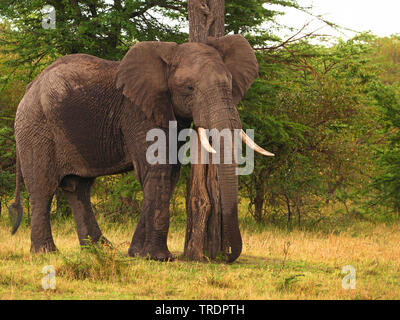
(295, 38)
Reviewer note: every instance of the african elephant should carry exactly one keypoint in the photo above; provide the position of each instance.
(85, 117)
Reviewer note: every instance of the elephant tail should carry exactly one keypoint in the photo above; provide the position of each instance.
(15, 210)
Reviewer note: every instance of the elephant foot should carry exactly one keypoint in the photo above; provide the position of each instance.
(105, 242)
(100, 240)
(135, 251)
(153, 254)
(43, 247)
(162, 256)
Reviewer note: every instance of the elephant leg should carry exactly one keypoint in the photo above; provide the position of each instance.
(40, 179)
(150, 237)
(41, 237)
(77, 192)
(138, 238)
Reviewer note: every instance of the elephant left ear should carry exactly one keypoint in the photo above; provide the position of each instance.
(240, 60)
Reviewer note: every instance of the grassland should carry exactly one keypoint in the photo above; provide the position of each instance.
(275, 264)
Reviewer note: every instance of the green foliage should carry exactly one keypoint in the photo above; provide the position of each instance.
(120, 197)
(387, 55)
(99, 27)
(248, 16)
(312, 107)
(388, 182)
(7, 164)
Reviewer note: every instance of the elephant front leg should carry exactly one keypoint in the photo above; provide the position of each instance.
(150, 237)
(139, 238)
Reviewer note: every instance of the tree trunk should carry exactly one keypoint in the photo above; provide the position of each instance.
(204, 214)
(259, 204)
(289, 211)
(206, 18)
(198, 207)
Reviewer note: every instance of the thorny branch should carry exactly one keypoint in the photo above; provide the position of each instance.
(295, 38)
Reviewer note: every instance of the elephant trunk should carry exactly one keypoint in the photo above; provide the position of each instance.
(231, 237)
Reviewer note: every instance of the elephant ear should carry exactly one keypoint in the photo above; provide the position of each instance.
(241, 61)
(143, 75)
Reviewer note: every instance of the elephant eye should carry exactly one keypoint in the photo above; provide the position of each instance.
(190, 88)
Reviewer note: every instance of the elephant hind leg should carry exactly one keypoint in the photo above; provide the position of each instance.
(77, 192)
(41, 236)
(40, 179)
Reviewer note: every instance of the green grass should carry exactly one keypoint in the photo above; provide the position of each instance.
(275, 264)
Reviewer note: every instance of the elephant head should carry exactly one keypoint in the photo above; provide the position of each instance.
(199, 82)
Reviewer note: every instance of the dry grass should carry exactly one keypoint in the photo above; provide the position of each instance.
(275, 264)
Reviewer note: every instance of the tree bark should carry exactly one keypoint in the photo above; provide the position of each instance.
(259, 203)
(206, 18)
(204, 214)
(198, 207)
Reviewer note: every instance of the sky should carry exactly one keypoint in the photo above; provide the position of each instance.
(381, 17)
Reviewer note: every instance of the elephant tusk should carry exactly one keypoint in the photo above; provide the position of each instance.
(247, 140)
(204, 140)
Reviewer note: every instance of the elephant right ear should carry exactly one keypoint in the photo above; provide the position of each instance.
(143, 75)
